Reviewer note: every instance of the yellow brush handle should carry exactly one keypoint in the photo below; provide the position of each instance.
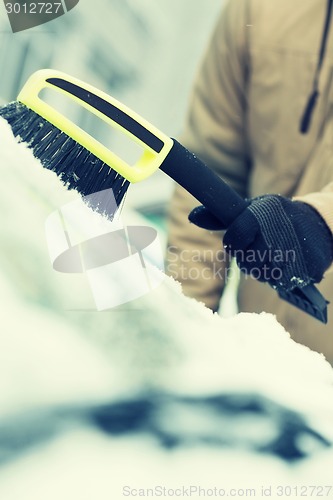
(151, 158)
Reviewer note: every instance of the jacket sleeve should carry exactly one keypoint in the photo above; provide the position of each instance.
(214, 131)
(216, 120)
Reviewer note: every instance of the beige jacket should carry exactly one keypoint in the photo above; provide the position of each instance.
(245, 109)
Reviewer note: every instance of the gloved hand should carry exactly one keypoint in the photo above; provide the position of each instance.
(285, 243)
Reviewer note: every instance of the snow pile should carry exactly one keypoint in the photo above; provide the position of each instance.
(158, 392)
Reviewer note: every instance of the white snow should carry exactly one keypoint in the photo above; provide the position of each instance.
(55, 349)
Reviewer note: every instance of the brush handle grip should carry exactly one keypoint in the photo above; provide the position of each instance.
(223, 201)
(206, 186)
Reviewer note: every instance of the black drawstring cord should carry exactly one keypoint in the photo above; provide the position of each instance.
(312, 100)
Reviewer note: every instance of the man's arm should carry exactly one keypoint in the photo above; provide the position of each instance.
(215, 131)
(215, 124)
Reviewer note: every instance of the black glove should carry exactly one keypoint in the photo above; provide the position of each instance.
(285, 243)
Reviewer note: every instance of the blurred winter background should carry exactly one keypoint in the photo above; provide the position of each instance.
(156, 392)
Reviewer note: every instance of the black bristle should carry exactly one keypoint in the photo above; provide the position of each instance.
(78, 168)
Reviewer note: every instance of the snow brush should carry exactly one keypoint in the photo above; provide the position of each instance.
(86, 165)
